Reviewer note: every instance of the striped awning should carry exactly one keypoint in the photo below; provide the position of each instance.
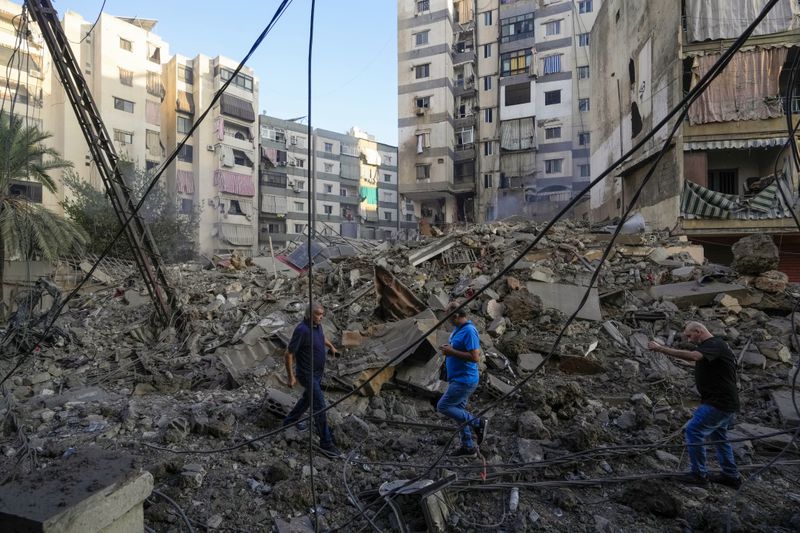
(700, 202)
(726, 144)
(237, 108)
(237, 234)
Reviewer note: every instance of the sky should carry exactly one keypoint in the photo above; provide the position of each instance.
(354, 67)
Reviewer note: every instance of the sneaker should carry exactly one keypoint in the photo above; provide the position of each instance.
(692, 478)
(331, 451)
(722, 479)
(480, 432)
(464, 452)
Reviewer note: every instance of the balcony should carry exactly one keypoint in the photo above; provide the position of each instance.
(461, 57)
(464, 152)
(462, 87)
(463, 121)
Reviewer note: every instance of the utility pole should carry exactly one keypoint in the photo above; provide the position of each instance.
(144, 249)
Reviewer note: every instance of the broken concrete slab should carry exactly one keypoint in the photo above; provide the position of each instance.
(105, 494)
(395, 300)
(782, 398)
(528, 362)
(693, 293)
(774, 350)
(579, 365)
(351, 339)
(566, 298)
(419, 256)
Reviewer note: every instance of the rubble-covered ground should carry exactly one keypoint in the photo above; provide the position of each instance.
(588, 443)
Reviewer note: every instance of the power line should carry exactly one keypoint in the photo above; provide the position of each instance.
(88, 33)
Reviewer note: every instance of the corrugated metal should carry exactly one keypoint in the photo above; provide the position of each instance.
(733, 143)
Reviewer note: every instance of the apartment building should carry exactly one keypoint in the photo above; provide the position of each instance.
(722, 175)
(356, 184)
(492, 106)
(216, 171)
(24, 85)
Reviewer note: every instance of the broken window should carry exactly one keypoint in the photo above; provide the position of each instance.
(724, 180)
(186, 153)
(153, 53)
(234, 208)
(241, 158)
(186, 74)
(123, 137)
(27, 189)
(423, 172)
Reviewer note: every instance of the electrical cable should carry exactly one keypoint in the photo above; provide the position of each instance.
(23, 357)
(311, 229)
(177, 508)
(682, 109)
(88, 33)
(353, 498)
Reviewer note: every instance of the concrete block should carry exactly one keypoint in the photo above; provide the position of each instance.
(783, 401)
(528, 362)
(566, 298)
(93, 490)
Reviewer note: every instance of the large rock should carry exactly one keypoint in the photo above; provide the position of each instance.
(755, 254)
(773, 281)
(522, 306)
(529, 425)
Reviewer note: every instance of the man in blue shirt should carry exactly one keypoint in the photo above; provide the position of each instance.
(462, 355)
(308, 344)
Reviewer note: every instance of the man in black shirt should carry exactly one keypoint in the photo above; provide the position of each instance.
(715, 377)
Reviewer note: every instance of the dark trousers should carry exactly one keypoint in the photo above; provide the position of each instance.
(320, 420)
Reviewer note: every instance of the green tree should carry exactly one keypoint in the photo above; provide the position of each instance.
(174, 231)
(28, 230)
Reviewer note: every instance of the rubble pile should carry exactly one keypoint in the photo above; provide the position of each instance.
(119, 383)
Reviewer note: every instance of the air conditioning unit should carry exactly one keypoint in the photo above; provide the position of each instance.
(293, 142)
(210, 147)
(281, 163)
(421, 111)
(292, 164)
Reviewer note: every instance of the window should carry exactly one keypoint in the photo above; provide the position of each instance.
(552, 27)
(328, 167)
(300, 163)
(584, 6)
(423, 172)
(186, 153)
(552, 133)
(328, 209)
(153, 53)
(553, 166)
(125, 44)
(152, 142)
(583, 39)
(186, 74)
(387, 215)
(422, 102)
(184, 124)
(329, 147)
(517, 62)
(463, 136)
(584, 171)
(515, 28)
(123, 105)
(186, 206)
(488, 148)
(240, 158)
(234, 208)
(583, 104)
(387, 159)
(409, 217)
(487, 181)
(421, 38)
(298, 206)
(300, 184)
(328, 188)
(552, 97)
(298, 228)
(487, 83)
(487, 115)
(583, 72)
(423, 5)
(123, 137)
(27, 189)
(519, 93)
(126, 77)
(487, 18)
(551, 64)
(342, 192)
(388, 196)
(387, 178)
(422, 71)
(724, 181)
(487, 50)
(154, 84)
(583, 138)
(241, 80)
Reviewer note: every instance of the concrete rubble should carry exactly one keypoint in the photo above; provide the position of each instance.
(113, 382)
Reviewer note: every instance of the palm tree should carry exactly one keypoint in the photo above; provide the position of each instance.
(28, 229)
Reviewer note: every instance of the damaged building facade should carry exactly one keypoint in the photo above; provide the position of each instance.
(356, 185)
(723, 174)
(493, 106)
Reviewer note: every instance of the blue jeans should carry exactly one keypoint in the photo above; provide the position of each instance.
(710, 422)
(453, 404)
(320, 420)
